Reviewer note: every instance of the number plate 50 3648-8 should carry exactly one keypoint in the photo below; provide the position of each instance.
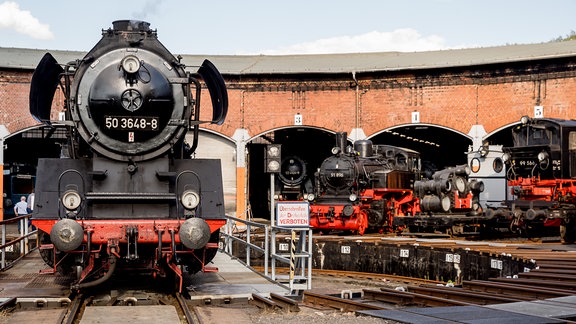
(131, 123)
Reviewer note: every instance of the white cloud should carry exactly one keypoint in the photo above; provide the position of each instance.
(22, 21)
(399, 40)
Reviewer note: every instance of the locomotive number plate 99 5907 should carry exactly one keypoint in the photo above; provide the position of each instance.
(131, 123)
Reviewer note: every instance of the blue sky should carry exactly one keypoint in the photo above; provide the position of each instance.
(219, 27)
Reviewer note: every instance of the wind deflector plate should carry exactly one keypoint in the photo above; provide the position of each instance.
(44, 83)
(218, 93)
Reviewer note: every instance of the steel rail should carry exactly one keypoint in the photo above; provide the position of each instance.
(184, 307)
(516, 289)
(344, 305)
(456, 293)
(563, 285)
(73, 311)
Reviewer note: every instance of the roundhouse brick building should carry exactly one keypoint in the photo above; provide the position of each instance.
(439, 103)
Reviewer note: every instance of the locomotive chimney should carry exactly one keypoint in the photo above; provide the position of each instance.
(131, 25)
(341, 141)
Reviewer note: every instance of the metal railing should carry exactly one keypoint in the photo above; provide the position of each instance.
(243, 235)
(23, 241)
(299, 259)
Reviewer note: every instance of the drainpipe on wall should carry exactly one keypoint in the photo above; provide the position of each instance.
(357, 90)
(3, 133)
(356, 133)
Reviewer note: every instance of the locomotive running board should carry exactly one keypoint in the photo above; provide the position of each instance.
(43, 87)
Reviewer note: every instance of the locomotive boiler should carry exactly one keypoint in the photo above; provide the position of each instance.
(126, 194)
(541, 173)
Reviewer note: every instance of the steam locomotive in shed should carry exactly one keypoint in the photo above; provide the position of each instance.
(293, 181)
(126, 194)
(537, 196)
(368, 187)
(541, 173)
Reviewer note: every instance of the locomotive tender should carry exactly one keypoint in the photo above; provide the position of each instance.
(125, 194)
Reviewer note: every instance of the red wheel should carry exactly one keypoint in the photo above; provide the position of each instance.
(363, 223)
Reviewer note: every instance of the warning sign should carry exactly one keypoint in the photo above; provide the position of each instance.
(293, 214)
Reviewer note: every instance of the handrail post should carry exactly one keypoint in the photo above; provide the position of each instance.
(26, 239)
(3, 243)
(273, 252)
(248, 234)
(21, 234)
(309, 285)
(266, 251)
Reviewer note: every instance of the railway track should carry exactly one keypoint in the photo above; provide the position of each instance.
(333, 291)
(136, 306)
(553, 280)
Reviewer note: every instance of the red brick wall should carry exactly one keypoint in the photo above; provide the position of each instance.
(14, 87)
(14, 103)
(453, 99)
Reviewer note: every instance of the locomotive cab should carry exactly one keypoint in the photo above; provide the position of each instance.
(542, 175)
(543, 148)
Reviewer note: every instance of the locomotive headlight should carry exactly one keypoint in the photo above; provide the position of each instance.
(310, 197)
(190, 199)
(506, 157)
(353, 197)
(71, 200)
(459, 184)
(542, 156)
(524, 120)
(130, 64)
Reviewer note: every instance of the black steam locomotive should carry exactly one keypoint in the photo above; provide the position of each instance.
(126, 195)
(380, 188)
(541, 173)
(293, 181)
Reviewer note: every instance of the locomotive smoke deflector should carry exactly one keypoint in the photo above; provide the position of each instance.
(217, 88)
(43, 87)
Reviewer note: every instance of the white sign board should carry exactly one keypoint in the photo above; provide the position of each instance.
(293, 214)
(415, 117)
(298, 119)
(538, 112)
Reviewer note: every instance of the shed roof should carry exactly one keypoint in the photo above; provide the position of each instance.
(23, 58)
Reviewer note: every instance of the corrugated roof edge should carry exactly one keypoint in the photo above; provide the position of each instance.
(27, 59)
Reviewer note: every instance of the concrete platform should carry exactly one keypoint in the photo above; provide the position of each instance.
(233, 282)
(459, 314)
(560, 307)
(151, 314)
(23, 279)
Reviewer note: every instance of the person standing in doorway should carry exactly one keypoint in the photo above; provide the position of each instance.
(21, 208)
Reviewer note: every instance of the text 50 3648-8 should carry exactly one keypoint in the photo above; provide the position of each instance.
(131, 123)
